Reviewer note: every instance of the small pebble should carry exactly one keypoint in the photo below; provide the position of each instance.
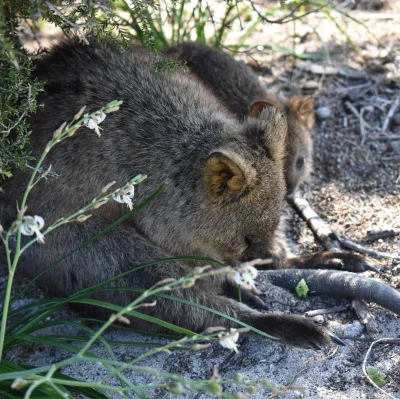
(319, 319)
(354, 329)
(324, 113)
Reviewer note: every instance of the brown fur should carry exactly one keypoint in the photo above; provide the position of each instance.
(239, 88)
(223, 196)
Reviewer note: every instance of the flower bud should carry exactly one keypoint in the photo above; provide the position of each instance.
(214, 387)
(176, 388)
(19, 383)
(58, 132)
(82, 218)
(198, 347)
(72, 132)
(111, 109)
(80, 112)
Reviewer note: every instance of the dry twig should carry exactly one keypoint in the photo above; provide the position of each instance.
(318, 312)
(365, 316)
(329, 239)
(337, 283)
(390, 114)
(355, 112)
(378, 235)
(363, 123)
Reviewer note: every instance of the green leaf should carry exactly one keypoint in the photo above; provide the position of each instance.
(376, 376)
(302, 288)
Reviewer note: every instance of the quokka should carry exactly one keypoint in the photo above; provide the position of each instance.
(239, 88)
(223, 196)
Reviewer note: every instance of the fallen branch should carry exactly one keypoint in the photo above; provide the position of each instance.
(337, 283)
(364, 250)
(318, 312)
(390, 114)
(328, 238)
(377, 235)
(366, 317)
(355, 112)
(320, 229)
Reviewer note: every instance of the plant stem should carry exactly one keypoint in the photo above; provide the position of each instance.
(5, 311)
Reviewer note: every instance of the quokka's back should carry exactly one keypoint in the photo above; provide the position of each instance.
(169, 128)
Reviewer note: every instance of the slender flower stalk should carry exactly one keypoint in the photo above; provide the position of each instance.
(63, 132)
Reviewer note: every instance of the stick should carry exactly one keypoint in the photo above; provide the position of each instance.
(366, 317)
(390, 114)
(317, 312)
(328, 238)
(337, 283)
(364, 250)
(320, 229)
(355, 112)
(363, 123)
(377, 235)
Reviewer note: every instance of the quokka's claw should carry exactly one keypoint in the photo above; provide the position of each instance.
(371, 268)
(315, 346)
(337, 340)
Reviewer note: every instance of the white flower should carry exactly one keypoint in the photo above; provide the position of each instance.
(32, 225)
(124, 196)
(94, 122)
(246, 275)
(228, 340)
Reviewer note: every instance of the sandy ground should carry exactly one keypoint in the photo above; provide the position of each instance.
(355, 188)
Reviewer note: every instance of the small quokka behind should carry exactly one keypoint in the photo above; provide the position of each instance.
(239, 88)
(223, 195)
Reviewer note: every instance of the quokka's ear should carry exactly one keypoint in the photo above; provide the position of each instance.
(302, 106)
(257, 107)
(224, 178)
(270, 132)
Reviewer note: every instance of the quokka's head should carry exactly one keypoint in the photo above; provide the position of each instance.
(231, 208)
(299, 146)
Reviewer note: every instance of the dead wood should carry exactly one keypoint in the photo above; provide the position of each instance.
(328, 238)
(390, 114)
(318, 312)
(366, 317)
(338, 283)
(382, 234)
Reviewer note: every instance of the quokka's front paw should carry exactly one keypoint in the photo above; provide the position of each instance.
(336, 260)
(297, 331)
(350, 262)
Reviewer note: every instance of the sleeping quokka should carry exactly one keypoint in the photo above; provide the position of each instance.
(224, 188)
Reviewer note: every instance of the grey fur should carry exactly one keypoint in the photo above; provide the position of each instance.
(237, 86)
(223, 197)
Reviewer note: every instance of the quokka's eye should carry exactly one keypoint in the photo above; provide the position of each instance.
(247, 241)
(300, 162)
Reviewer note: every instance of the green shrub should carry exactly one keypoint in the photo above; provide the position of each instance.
(17, 99)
